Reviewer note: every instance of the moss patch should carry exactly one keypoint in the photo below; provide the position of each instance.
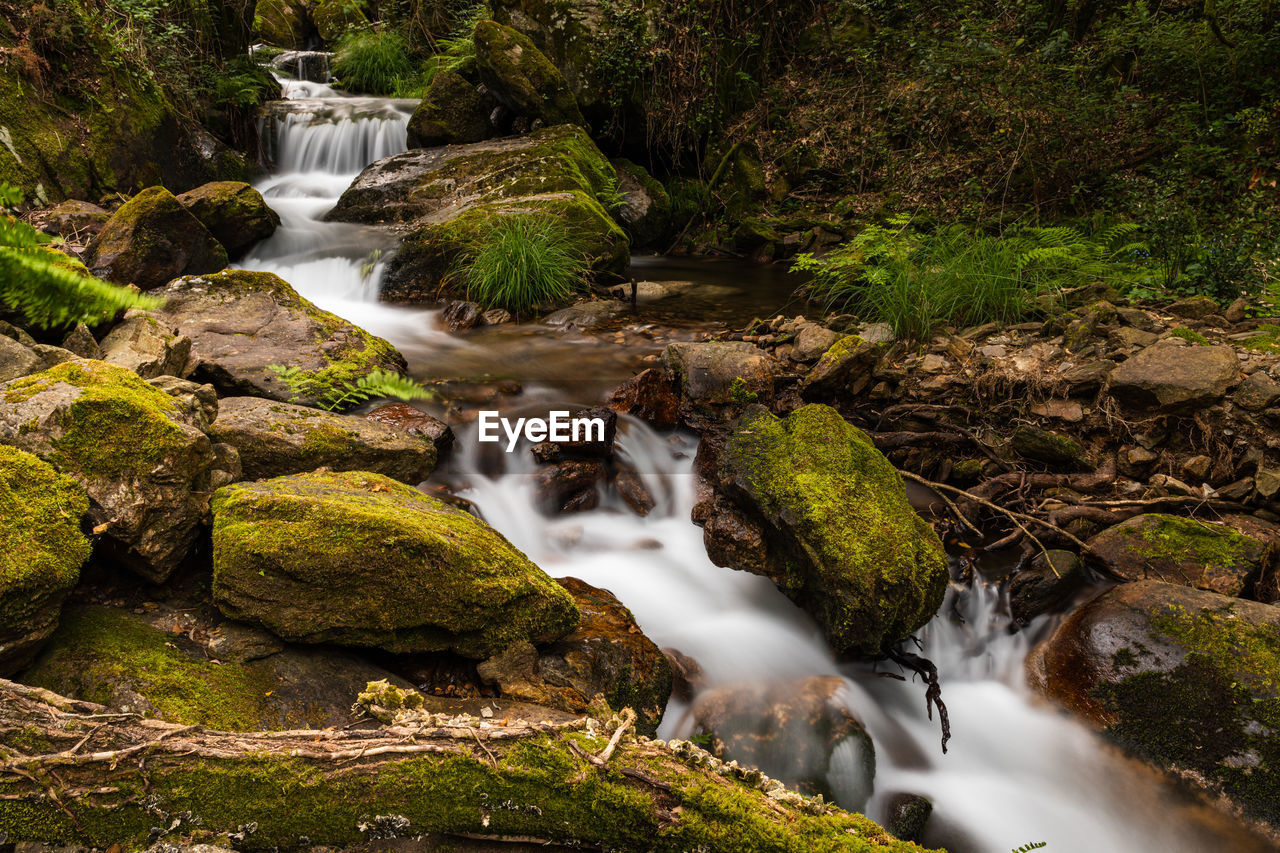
(1176, 538)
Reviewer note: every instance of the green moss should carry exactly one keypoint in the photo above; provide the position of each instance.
(334, 18)
(1188, 335)
(281, 23)
(1180, 539)
(851, 549)
(1267, 339)
(97, 650)
(41, 546)
(740, 394)
(513, 68)
(452, 111)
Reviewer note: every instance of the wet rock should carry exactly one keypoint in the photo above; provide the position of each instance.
(452, 111)
(790, 730)
(461, 316)
(634, 493)
(496, 317)
(1257, 392)
(908, 815)
(147, 347)
(142, 459)
(241, 323)
(1170, 379)
(592, 443)
(587, 316)
(521, 78)
(162, 663)
(868, 568)
(17, 359)
(152, 239)
(406, 418)
(687, 676)
(41, 551)
(646, 207)
(1049, 584)
(360, 559)
(607, 656)
(1200, 554)
(712, 377)
(1050, 447)
(312, 65)
(234, 212)
(1193, 307)
(571, 485)
(649, 396)
(74, 221)
(275, 438)
(1183, 678)
(731, 536)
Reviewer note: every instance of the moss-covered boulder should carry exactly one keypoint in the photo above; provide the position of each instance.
(521, 78)
(41, 551)
(449, 196)
(606, 656)
(140, 456)
(360, 559)
(151, 239)
(841, 540)
(283, 23)
(844, 369)
(241, 323)
(275, 438)
(233, 212)
(1187, 679)
(452, 111)
(646, 207)
(335, 18)
(180, 667)
(1201, 554)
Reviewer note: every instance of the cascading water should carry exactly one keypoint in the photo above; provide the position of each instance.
(1017, 771)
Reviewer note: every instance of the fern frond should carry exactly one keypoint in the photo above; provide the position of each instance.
(1034, 845)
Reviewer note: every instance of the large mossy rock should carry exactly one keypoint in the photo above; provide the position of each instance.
(1201, 554)
(452, 111)
(234, 213)
(521, 78)
(360, 559)
(151, 239)
(241, 323)
(335, 18)
(1187, 679)
(841, 539)
(607, 655)
(450, 196)
(276, 438)
(283, 23)
(41, 551)
(157, 665)
(141, 457)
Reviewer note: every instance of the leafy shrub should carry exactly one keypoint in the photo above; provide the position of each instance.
(373, 61)
(521, 262)
(50, 289)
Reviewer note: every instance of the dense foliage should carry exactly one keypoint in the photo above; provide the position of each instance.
(521, 262)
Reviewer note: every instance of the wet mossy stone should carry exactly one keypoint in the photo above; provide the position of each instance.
(452, 111)
(646, 207)
(241, 323)
(335, 18)
(151, 239)
(360, 559)
(41, 551)
(1187, 679)
(234, 212)
(282, 23)
(143, 460)
(521, 78)
(843, 541)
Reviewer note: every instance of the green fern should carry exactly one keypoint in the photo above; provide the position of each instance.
(1034, 845)
(336, 396)
(50, 289)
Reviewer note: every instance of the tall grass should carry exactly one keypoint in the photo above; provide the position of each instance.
(522, 262)
(955, 276)
(373, 61)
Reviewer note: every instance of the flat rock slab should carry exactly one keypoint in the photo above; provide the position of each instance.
(1173, 378)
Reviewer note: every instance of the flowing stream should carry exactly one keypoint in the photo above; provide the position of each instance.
(1018, 771)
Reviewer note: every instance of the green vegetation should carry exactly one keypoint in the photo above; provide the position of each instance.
(373, 61)
(48, 288)
(520, 262)
(337, 394)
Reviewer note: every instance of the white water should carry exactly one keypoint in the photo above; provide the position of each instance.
(1017, 771)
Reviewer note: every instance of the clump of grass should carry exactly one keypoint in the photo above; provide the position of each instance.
(521, 262)
(373, 61)
(1191, 336)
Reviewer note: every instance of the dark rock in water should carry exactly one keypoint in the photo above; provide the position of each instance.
(790, 730)
(142, 458)
(1050, 447)
(1201, 554)
(461, 316)
(650, 396)
(646, 206)
(41, 551)
(595, 439)
(1183, 678)
(310, 65)
(687, 676)
(842, 541)
(521, 78)
(587, 315)
(908, 814)
(496, 317)
(452, 111)
(1048, 584)
(571, 485)
(1172, 378)
(406, 418)
(731, 536)
(715, 379)
(74, 221)
(606, 656)
(276, 438)
(631, 488)
(241, 323)
(360, 559)
(234, 212)
(151, 240)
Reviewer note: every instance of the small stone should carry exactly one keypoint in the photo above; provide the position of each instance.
(993, 351)
(1128, 336)
(1066, 410)
(1197, 467)
(1193, 307)
(1257, 392)
(461, 316)
(1237, 311)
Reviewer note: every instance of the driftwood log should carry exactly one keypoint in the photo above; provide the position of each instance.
(74, 772)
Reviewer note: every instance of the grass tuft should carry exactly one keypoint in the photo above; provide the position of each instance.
(373, 61)
(521, 262)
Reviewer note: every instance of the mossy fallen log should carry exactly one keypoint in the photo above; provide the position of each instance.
(71, 772)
